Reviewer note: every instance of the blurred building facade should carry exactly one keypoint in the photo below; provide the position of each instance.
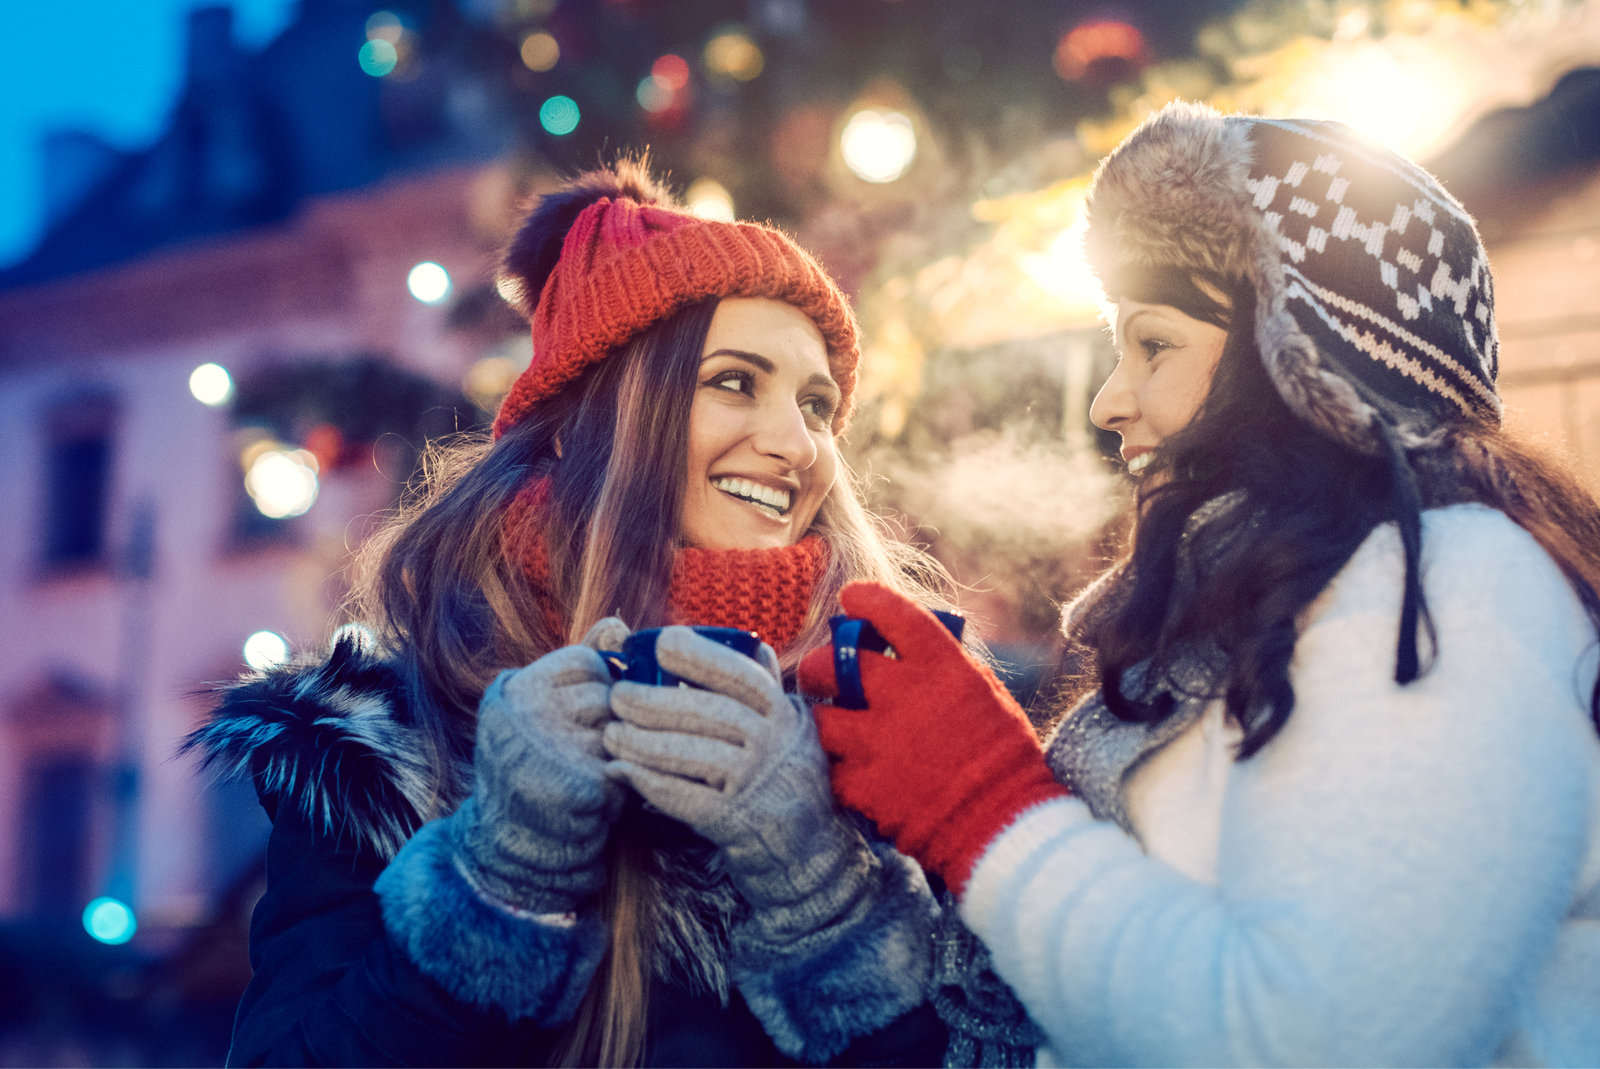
(271, 231)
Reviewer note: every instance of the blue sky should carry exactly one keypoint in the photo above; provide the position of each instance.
(112, 67)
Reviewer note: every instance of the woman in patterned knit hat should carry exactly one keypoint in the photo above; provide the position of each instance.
(1335, 799)
(475, 863)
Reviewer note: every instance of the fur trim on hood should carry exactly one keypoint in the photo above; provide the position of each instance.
(330, 737)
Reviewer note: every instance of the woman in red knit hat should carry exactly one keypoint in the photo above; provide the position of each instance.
(478, 863)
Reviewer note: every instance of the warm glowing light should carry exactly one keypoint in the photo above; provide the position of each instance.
(265, 650)
(559, 115)
(109, 921)
(540, 51)
(733, 55)
(282, 484)
(653, 95)
(1394, 91)
(1063, 272)
(384, 26)
(878, 145)
(488, 380)
(211, 385)
(428, 282)
(672, 71)
(1098, 42)
(708, 199)
(378, 57)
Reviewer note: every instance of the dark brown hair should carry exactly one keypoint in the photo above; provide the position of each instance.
(1307, 503)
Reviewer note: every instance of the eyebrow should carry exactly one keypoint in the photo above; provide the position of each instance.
(763, 364)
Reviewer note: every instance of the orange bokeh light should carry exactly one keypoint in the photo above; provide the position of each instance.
(1096, 46)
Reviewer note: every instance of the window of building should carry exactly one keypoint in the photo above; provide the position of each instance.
(78, 458)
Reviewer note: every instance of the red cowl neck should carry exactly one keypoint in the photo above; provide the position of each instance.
(767, 591)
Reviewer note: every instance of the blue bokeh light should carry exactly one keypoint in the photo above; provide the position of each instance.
(109, 920)
(559, 115)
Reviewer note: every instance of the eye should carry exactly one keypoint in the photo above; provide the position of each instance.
(818, 408)
(1154, 347)
(733, 382)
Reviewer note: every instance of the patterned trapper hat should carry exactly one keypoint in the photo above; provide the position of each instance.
(1375, 298)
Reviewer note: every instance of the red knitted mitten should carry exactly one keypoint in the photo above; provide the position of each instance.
(943, 759)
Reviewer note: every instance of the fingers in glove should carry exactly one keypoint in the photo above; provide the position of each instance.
(686, 710)
(693, 803)
(714, 666)
(816, 677)
(713, 762)
(607, 635)
(844, 733)
(909, 627)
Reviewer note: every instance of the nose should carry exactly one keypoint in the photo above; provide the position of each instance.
(781, 432)
(1116, 405)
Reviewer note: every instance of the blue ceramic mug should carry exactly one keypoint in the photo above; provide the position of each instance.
(636, 662)
(850, 636)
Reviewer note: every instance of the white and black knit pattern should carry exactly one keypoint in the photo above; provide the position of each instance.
(1376, 300)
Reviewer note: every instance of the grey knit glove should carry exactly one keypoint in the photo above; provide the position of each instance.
(531, 835)
(739, 762)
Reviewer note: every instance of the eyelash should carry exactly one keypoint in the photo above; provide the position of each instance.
(1154, 347)
(823, 407)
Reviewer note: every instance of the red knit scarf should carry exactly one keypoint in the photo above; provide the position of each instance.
(767, 591)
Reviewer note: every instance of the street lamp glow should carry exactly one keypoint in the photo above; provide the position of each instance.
(211, 384)
(428, 282)
(878, 145)
(265, 650)
(109, 921)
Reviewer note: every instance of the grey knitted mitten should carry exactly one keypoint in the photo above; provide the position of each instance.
(740, 763)
(531, 835)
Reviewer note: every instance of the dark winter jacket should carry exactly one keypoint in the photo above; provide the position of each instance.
(415, 972)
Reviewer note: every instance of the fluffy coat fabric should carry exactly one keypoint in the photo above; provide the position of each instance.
(371, 948)
(1402, 876)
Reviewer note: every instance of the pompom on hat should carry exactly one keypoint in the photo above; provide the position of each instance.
(1375, 302)
(628, 259)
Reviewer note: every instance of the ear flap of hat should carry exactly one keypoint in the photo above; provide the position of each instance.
(533, 253)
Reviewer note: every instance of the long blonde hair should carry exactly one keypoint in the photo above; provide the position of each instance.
(445, 587)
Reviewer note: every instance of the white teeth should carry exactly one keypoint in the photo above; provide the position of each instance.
(777, 500)
(1139, 463)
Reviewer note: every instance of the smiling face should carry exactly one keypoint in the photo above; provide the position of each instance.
(761, 453)
(1165, 361)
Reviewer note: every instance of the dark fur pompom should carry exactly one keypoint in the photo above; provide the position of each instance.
(536, 248)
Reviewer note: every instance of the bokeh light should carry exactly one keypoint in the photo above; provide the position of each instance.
(672, 71)
(378, 57)
(265, 650)
(211, 385)
(732, 54)
(281, 483)
(878, 146)
(1100, 52)
(109, 921)
(653, 96)
(559, 115)
(540, 51)
(384, 26)
(708, 199)
(428, 282)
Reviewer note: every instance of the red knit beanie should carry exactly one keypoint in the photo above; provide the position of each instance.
(626, 264)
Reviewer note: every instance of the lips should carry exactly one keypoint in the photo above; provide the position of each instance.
(767, 497)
